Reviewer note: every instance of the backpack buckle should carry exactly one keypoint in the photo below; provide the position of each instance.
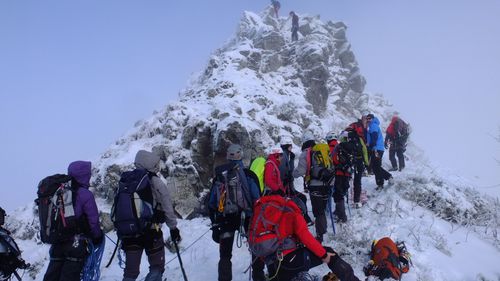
(279, 255)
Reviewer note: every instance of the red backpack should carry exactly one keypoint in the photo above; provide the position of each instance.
(388, 259)
(265, 238)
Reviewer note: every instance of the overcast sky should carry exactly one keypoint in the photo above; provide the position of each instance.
(75, 75)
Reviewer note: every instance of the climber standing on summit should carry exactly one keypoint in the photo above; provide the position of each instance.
(276, 6)
(295, 26)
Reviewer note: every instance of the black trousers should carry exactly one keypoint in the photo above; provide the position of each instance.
(401, 158)
(358, 175)
(66, 261)
(340, 190)
(151, 242)
(319, 200)
(380, 173)
(303, 259)
(226, 240)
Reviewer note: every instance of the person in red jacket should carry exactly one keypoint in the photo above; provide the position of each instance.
(395, 139)
(331, 139)
(293, 259)
(272, 177)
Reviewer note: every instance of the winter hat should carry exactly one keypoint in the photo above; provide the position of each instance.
(284, 140)
(274, 150)
(234, 152)
(307, 136)
(370, 116)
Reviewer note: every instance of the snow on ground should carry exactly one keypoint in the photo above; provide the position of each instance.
(440, 250)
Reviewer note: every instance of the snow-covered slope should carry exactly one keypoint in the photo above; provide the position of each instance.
(256, 88)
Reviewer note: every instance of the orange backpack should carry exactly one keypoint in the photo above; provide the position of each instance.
(388, 259)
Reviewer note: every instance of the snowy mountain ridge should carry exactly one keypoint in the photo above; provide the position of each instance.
(256, 88)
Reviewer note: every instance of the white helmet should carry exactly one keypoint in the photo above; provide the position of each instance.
(234, 152)
(343, 137)
(274, 150)
(307, 136)
(331, 136)
(284, 140)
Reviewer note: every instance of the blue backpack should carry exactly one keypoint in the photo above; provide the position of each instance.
(132, 210)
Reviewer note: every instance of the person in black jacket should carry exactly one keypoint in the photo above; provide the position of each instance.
(295, 26)
(10, 255)
(232, 196)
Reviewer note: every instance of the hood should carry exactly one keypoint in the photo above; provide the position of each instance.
(147, 160)
(374, 123)
(81, 172)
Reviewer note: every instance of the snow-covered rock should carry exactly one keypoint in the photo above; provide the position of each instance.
(256, 88)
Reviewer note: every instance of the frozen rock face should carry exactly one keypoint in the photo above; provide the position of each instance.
(254, 89)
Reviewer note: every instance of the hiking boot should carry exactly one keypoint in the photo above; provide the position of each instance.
(390, 181)
(319, 238)
(400, 169)
(393, 169)
(358, 205)
(330, 277)
(379, 187)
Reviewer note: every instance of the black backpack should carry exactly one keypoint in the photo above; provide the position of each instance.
(56, 209)
(356, 148)
(132, 211)
(10, 256)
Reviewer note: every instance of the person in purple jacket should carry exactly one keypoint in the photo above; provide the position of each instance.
(67, 259)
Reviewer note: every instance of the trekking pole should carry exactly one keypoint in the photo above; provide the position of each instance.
(329, 204)
(117, 245)
(180, 260)
(17, 276)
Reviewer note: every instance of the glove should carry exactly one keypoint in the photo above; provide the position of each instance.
(97, 241)
(175, 235)
(159, 217)
(216, 232)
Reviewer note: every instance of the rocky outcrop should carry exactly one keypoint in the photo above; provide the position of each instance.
(260, 85)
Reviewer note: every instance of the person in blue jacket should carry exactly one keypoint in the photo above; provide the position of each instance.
(232, 196)
(375, 144)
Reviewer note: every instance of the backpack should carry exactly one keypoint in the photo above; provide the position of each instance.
(132, 210)
(318, 159)
(358, 128)
(264, 239)
(403, 131)
(10, 256)
(55, 209)
(388, 259)
(258, 167)
(357, 147)
(231, 189)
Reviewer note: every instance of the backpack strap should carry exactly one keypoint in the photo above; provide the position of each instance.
(307, 178)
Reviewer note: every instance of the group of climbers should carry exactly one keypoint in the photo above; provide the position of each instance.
(272, 214)
(274, 220)
(69, 222)
(279, 219)
(276, 5)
